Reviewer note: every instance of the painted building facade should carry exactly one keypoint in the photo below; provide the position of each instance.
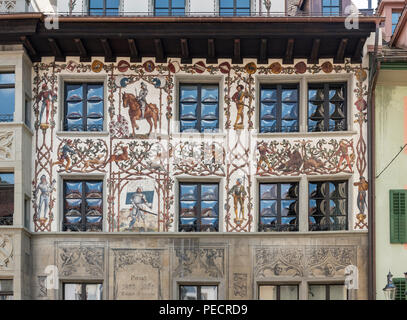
(165, 176)
(390, 97)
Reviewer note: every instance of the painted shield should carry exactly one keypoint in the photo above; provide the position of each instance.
(224, 67)
(361, 75)
(149, 66)
(159, 82)
(300, 67)
(327, 67)
(276, 68)
(200, 67)
(97, 66)
(121, 81)
(71, 66)
(361, 104)
(123, 66)
(250, 68)
(174, 67)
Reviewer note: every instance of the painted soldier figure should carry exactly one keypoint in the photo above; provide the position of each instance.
(362, 188)
(238, 98)
(343, 151)
(63, 155)
(239, 193)
(45, 190)
(263, 150)
(46, 96)
(137, 212)
(142, 96)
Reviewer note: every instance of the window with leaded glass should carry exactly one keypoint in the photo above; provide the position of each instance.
(83, 205)
(104, 7)
(83, 291)
(7, 96)
(279, 108)
(278, 292)
(327, 107)
(327, 292)
(331, 7)
(6, 198)
(198, 207)
(198, 292)
(6, 289)
(84, 109)
(169, 7)
(199, 108)
(278, 207)
(234, 7)
(328, 205)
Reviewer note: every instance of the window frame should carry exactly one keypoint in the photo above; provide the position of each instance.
(328, 199)
(330, 8)
(7, 293)
(326, 87)
(84, 85)
(198, 290)
(199, 86)
(198, 206)
(9, 86)
(397, 221)
(235, 8)
(280, 87)
(401, 285)
(327, 289)
(394, 25)
(170, 9)
(83, 285)
(9, 220)
(279, 199)
(81, 227)
(278, 292)
(105, 8)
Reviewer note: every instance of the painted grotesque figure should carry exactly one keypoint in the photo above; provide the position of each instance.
(64, 155)
(343, 152)
(45, 190)
(238, 193)
(263, 150)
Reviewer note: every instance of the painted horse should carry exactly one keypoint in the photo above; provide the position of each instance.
(150, 112)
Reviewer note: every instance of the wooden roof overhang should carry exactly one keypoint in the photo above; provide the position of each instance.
(211, 38)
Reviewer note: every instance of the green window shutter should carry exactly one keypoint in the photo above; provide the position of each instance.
(400, 284)
(398, 232)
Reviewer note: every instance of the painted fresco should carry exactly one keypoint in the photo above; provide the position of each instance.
(141, 151)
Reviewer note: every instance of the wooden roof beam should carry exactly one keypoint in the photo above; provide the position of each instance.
(159, 51)
(340, 54)
(289, 52)
(108, 50)
(314, 55)
(185, 57)
(211, 52)
(83, 53)
(237, 58)
(56, 50)
(134, 53)
(30, 48)
(263, 59)
(357, 55)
